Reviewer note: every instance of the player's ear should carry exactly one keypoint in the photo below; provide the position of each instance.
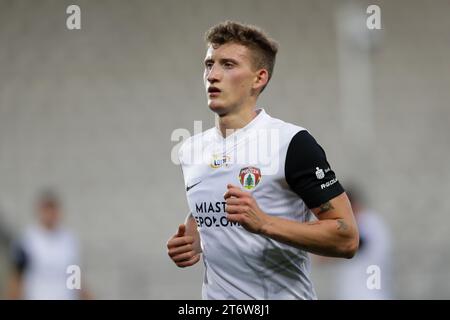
(261, 79)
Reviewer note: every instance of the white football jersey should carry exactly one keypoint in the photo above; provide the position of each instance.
(42, 257)
(287, 173)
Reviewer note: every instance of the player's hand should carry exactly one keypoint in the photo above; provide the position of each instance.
(180, 248)
(241, 207)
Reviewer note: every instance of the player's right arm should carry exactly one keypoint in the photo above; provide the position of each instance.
(20, 261)
(184, 247)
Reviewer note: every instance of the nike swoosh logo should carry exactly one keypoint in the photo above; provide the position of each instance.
(190, 187)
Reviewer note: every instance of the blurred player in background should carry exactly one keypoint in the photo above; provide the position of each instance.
(42, 255)
(368, 275)
(250, 219)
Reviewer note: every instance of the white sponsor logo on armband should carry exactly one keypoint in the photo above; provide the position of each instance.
(329, 183)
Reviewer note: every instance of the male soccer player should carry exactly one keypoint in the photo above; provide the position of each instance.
(42, 255)
(253, 182)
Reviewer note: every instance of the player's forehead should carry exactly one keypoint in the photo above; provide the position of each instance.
(230, 50)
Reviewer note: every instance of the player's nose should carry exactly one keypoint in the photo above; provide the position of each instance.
(213, 75)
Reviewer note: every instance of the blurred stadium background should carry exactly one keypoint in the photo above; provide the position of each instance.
(91, 113)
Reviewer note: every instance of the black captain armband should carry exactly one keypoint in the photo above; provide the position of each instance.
(308, 172)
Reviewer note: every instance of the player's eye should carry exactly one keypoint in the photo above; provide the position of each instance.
(208, 65)
(228, 65)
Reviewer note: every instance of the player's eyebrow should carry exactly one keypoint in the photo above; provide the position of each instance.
(223, 60)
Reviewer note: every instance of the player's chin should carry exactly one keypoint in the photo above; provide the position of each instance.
(217, 107)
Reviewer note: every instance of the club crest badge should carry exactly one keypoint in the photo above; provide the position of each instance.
(249, 177)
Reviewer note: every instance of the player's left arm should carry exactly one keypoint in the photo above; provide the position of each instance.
(309, 175)
(334, 234)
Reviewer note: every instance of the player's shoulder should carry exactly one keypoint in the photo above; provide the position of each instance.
(296, 139)
(30, 232)
(287, 130)
(203, 136)
(29, 235)
(194, 142)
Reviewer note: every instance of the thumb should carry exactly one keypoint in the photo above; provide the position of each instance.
(181, 230)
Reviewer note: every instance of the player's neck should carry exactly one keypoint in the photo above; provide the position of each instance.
(232, 121)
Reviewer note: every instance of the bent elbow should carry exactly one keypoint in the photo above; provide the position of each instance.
(351, 248)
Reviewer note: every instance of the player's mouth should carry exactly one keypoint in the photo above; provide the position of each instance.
(213, 92)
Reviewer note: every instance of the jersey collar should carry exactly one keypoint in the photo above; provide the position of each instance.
(252, 125)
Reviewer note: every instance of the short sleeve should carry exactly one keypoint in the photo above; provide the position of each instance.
(19, 257)
(308, 172)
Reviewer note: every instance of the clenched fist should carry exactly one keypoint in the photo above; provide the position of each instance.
(181, 250)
